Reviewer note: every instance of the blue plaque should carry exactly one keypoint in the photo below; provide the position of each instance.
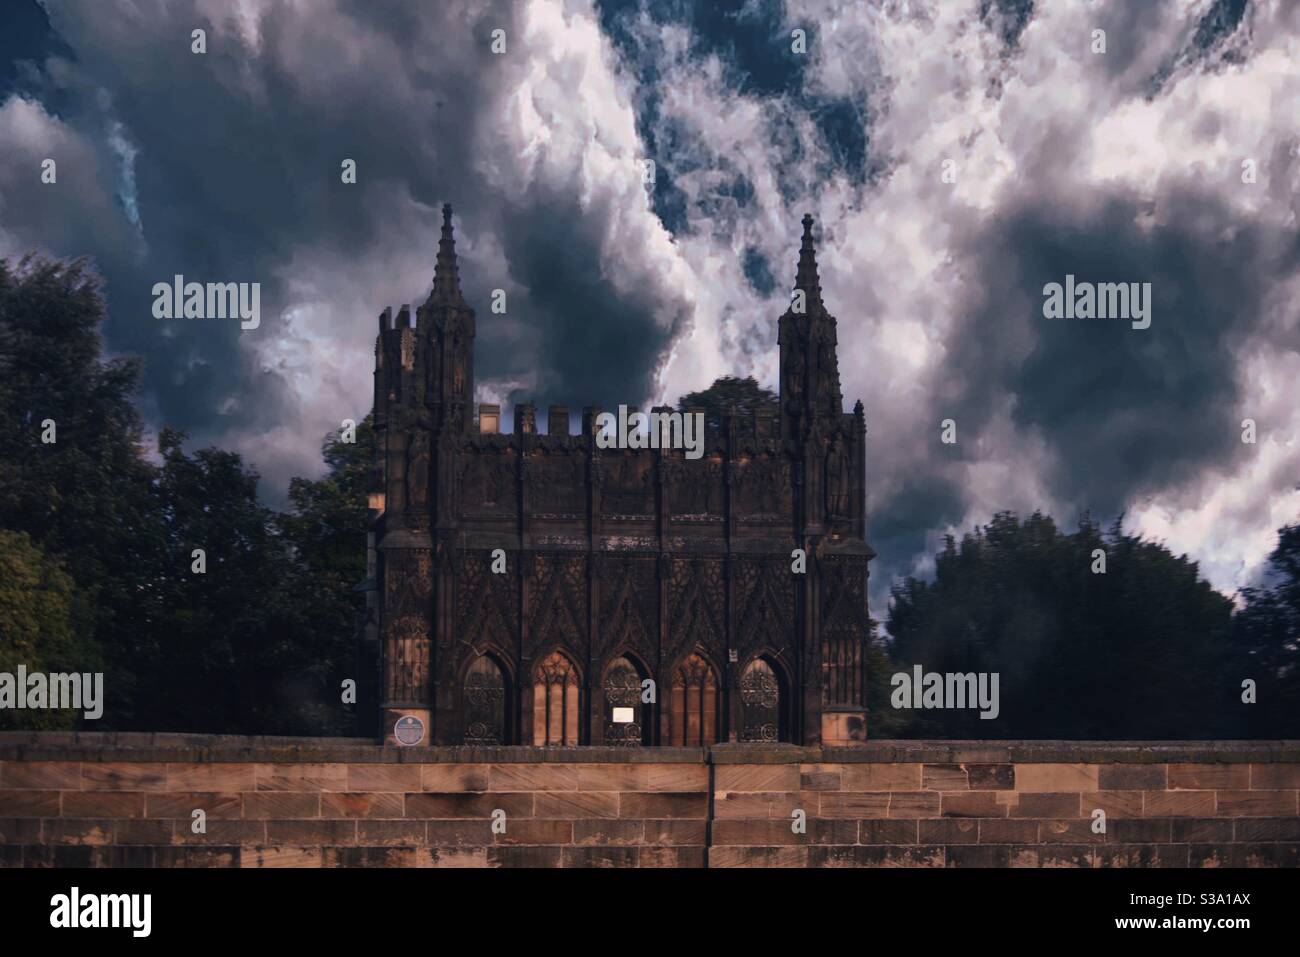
(408, 730)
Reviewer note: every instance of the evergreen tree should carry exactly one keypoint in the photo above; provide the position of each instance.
(1266, 644)
(745, 394)
(326, 526)
(72, 475)
(43, 625)
(256, 642)
(97, 572)
(1136, 651)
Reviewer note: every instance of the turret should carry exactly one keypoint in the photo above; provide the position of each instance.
(810, 376)
(446, 326)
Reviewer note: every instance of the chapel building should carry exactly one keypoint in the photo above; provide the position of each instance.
(638, 597)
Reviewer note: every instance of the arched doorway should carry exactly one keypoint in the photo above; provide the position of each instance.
(693, 704)
(486, 703)
(627, 717)
(762, 700)
(555, 702)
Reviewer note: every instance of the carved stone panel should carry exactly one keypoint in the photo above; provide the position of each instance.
(487, 480)
(486, 603)
(695, 488)
(408, 582)
(696, 606)
(839, 481)
(845, 630)
(629, 607)
(765, 605)
(558, 483)
(417, 472)
(629, 483)
(557, 590)
(764, 488)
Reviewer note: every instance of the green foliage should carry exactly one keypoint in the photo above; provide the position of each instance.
(326, 527)
(96, 555)
(43, 625)
(745, 394)
(222, 640)
(882, 720)
(264, 635)
(328, 518)
(85, 498)
(1136, 652)
(257, 644)
(1266, 643)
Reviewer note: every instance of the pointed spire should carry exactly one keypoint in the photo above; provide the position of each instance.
(806, 278)
(446, 277)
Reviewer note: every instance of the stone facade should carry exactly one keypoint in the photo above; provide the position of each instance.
(616, 567)
(129, 799)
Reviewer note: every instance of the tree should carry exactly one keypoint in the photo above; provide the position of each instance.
(257, 639)
(882, 720)
(1136, 652)
(328, 519)
(1266, 640)
(72, 475)
(226, 632)
(263, 633)
(326, 527)
(43, 625)
(745, 394)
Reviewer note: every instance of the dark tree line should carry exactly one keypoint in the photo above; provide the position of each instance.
(1266, 639)
(97, 540)
(1144, 650)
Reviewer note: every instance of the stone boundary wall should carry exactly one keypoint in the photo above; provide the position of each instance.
(94, 799)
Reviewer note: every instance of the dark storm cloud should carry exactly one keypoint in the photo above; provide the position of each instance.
(747, 36)
(758, 272)
(1217, 39)
(237, 163)
(25, 41)
(1124, 411)
(899, 527)
(1135, 36)
(1007, 18)
(939, 290)
(1110, 183)
(599, 346)
(1220, 21)
(237, 172)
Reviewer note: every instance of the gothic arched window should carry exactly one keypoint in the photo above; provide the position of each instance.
(627, 717)
(693, 705)
(761, 703)
(486, 703)
(555, 702)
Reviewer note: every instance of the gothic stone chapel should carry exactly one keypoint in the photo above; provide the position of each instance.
(626, 571)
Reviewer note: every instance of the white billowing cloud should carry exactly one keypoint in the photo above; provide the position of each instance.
(1228, 520)
(1051, 120)
(294, 88)
(553, 125)
(570, 123)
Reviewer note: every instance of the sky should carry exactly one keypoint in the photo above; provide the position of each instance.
(957, 156)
